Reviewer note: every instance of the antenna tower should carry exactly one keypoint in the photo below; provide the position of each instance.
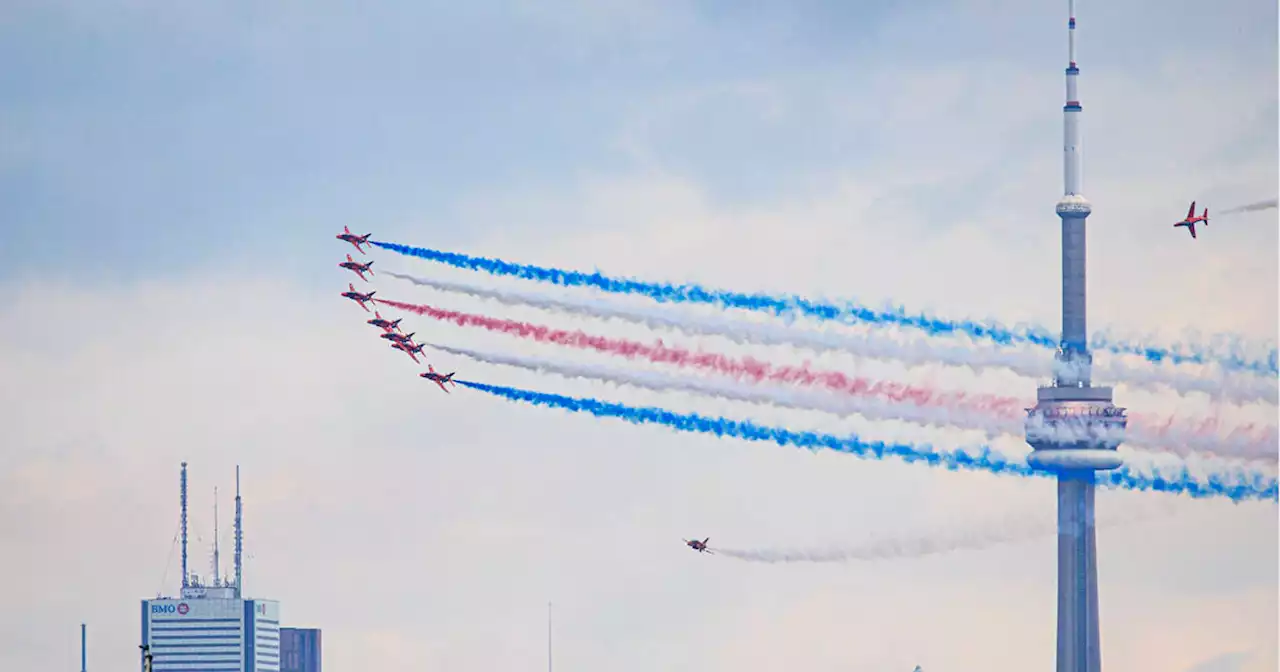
(217, 562)
(183, 497)
(239, 532)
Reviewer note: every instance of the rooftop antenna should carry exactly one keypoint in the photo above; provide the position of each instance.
(82, 648)
(183, 490)
(239, 538)
(217, 563)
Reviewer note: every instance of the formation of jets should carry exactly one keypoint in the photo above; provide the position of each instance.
(1191, 219)
(390, 328)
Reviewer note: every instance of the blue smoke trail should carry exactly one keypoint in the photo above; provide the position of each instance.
(848, 313)
(1239, 486)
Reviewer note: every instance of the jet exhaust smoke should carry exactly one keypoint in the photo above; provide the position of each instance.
(848, 312)
(1011, 530)
(918, 352)
(1166, 438)
(1237, 484)
(1252, 207)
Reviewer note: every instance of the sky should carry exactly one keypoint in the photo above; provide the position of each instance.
(172, 176)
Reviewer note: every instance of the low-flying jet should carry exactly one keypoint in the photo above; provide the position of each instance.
(412, 350)
(357, 267)
(383, 323)
(1190, 221)
(439, 379)
(354, 239)
(699, 546)
(358, 297)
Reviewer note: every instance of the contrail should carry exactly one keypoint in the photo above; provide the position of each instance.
(916, 352)
(1237, 484)
(1260, 205)
(849, 312)
(990, 424)
(1011, 530)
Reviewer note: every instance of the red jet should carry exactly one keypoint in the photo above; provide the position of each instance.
(395, 337)
(411, 350)
(385, 325)
(359, 268)
(354, 239)
(437, 378)
(358, 297)
(699, 546)
(1190, 221)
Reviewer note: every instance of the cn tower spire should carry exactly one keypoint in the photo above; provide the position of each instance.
(1072, 173)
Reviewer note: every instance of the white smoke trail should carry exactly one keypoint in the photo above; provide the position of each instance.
(898, 547)
(914, 352)
(1167, 440)
(1260, 205)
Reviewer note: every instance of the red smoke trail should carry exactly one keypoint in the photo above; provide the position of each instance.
(745, 367)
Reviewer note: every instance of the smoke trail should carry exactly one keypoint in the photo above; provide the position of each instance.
(914, 352)
(1012, 530)
(935, 416)
(1165, 438)
(1260, 205)
(1237, 485)
(992, 414)
(744, 368)
(792, 305)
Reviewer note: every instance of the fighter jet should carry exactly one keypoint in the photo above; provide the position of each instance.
(437, 378)
(358, 297)
(1190, 221)
(354, 239)
(357, 267)
(699, 546)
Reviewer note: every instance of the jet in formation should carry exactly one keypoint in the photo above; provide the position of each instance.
(409, 349)
(357, 267)
(383, 323)
(358, 297)
(1190, 221)
(354, 239)
(397, 337)
(699, 546)
(438, 378)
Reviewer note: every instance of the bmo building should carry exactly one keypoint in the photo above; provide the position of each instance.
(212, 633)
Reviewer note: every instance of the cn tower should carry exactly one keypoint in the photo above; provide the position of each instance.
(1071, 416)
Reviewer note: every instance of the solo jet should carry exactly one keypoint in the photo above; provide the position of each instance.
(438, 379)
(411, 350)
(699, 546)
(1190, 221)
(359, 268)
(354, 239)
(358, 297)
(384, 324)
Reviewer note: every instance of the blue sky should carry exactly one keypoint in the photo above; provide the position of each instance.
(172, 176)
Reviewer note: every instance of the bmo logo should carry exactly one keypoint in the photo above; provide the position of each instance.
(181, 609)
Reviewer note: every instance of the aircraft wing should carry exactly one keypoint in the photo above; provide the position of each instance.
(1191, 212)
